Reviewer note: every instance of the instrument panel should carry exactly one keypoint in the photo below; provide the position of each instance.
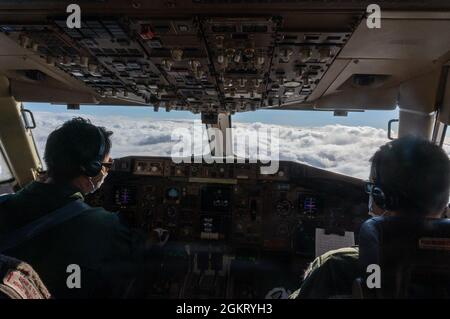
(233, 232)
(233, 203)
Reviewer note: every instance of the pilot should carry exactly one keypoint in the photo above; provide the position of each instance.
(92, 254)
(415, 172)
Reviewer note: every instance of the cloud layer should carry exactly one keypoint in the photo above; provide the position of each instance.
(337, 148)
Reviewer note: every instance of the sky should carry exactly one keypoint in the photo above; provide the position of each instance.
(339, 144)
(376, 119)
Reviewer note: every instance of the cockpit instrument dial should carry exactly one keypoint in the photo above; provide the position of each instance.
(172, 193)
(283, 207)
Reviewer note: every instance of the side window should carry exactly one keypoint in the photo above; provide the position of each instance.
(5, 173)
(446, 145)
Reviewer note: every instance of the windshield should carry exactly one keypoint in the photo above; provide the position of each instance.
(446, 145)
(339, 144)
(5, 173)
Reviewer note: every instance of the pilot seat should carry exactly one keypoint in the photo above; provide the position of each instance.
(413, 255)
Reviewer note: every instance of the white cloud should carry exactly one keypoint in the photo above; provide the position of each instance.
(4, 171)
(337, 148)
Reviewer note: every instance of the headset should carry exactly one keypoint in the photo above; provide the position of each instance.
(384, 198)
(389, 199)
(94, 167)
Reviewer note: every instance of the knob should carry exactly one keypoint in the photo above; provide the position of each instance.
(249, 52)
(237, 57)
(286, 54)
(305, 54)
(167, 64)
(219, 40)
(177, 54)
(260, 60)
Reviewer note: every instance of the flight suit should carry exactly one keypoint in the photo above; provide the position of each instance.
(109, 254)
(330, 275)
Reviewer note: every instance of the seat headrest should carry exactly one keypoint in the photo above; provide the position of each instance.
(401, 235)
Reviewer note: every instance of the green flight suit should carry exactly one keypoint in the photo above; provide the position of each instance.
(108, 253)
(330, 275)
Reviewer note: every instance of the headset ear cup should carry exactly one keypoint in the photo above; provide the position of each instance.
(93, 168)
(379, 197)
(96, 168)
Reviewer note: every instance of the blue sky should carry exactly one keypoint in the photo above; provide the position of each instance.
(377, 119)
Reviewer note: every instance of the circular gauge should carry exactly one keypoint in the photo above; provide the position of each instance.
(283, 207)
(171, 212)
(172, 193)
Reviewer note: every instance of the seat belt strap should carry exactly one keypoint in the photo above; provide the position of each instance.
(40, 225)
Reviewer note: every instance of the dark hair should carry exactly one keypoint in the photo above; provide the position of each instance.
(73, 145)
(416, 171)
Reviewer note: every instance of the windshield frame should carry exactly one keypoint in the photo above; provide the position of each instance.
(6, 167)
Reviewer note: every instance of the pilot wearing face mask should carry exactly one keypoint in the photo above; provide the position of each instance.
(409, 178)
(90, 254)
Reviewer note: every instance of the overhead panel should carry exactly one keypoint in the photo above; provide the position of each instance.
(301, 59)
(177, 49)
(200, 64)
(241, 52)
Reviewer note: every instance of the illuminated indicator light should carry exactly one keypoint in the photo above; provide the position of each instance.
(146, 33)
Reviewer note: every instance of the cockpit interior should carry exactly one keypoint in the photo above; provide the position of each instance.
(227, 230)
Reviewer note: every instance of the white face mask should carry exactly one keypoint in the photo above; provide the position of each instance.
(371, 210)
(97, 182)
(370, 205)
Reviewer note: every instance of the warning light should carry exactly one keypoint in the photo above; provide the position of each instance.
(146, 32)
